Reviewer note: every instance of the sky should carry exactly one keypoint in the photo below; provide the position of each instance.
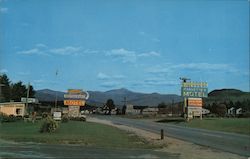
(141, 45)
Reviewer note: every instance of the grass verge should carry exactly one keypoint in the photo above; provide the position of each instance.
(73, 132)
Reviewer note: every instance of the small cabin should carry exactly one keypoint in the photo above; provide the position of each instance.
(13, 108)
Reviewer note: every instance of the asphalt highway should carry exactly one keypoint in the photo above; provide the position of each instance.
(229, 142)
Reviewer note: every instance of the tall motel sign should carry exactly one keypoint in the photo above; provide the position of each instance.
(193, 93)
(74, 99)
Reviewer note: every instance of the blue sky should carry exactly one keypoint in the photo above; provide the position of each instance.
(141, 45)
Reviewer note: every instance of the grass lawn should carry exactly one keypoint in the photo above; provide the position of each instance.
(73, 132)
(236, 125)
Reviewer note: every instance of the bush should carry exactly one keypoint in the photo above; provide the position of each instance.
(245, 115)
(78, 118)
(44, 115)
(49, 125)
(19, 117)
(65, 119)
(7, 118)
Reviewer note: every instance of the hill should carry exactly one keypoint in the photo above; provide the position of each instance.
(227, 95)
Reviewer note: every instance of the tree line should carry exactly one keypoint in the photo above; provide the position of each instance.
(13, 91)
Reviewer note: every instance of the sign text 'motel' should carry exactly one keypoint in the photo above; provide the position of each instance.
(75, 97)
(194, 89)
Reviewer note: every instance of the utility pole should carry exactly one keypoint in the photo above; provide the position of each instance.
(124, 101)
(27, 97)
(184, 80)
(56, 91)
(172, 106)
(1, 94)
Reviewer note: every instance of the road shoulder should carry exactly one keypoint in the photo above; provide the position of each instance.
(186, 150)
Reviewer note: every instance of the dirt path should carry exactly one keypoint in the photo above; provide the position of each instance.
(186, 150)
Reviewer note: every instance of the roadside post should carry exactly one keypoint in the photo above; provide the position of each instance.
(162, 134)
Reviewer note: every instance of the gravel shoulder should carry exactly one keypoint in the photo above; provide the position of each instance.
(186, 150)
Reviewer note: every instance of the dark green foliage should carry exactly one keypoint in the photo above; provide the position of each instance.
(65, 119)
(18, 90)
(9, 118)
(5, 88)
(77, 118)
(13, 91)
(49, 125)
(44, 115)
(221, 110)
(162, 105)
(110, 104)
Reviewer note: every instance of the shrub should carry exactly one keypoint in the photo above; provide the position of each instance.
(49, 125)
(44, 115)
(78, 118)
(65, 119)
(7, 118)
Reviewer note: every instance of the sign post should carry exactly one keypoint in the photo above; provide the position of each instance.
(74, 99)
(193, 92)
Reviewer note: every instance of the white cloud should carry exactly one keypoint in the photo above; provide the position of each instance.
(129, 56)
(171, 69)
(202, 66)
(149, 54)
(42, 49)
(160, 82)
(118, 76)
(155, 40)
(38, 81)
(102, 76)
(4, 71)
(125, 55)
(34, 51)
(23, 73)
(69, 50)
(40, 45)
(4, 10)
(142, 33)
(110, 84)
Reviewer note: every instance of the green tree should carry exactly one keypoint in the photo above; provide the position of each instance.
(110, 104)
(162, 105)
(18, 90)
(32, 92)
(5, 90)
(221, 109)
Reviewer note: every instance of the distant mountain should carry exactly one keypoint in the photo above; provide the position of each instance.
(99, 98)
(48, 95)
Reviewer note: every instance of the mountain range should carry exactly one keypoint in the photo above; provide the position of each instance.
(119, 97)
(98, 98)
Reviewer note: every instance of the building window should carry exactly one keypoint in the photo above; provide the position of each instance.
(18, 111)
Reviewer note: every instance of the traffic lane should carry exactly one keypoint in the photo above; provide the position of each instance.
(229, 142)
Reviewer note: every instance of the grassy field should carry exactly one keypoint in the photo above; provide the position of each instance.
(236, 125)
(73, 132)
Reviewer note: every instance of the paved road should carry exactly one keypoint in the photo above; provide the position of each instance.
(230, 142)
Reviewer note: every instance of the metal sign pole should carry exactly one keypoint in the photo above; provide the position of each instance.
(27, 97)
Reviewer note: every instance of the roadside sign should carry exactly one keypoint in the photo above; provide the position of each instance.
(57, 115)
(30, 100)
(195, 102)
(74, 91)
(194, 89)
(76, 96)
(74, 102)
